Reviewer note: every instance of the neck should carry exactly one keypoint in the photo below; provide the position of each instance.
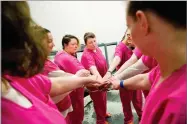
(173, 56)
(68, 52)
(124, 42)
(91, 49)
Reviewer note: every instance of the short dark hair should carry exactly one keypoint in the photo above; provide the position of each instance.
(22, 51)
(88, 35)
(165, 9)
(67, 38)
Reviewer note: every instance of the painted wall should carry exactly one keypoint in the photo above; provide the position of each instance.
(104, 18)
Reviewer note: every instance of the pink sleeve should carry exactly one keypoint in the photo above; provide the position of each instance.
(170, 111)
(87, 60)
(149, 61)
(49, 67)
(152, 74)
(118, 51)
(138, 53)
(43, 83)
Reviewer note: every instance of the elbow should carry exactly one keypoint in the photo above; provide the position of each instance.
(145, 85)
(56, 90)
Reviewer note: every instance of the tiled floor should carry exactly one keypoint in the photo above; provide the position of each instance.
(114, 107)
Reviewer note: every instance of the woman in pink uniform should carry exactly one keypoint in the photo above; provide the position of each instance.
(25, 93)
(132, 65)
(63, 102)
(149, 22)
(122, 54)
(92, 59)
(67, 61)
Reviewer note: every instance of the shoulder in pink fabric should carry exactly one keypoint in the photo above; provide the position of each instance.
(138, 53)
(123, 52)
(166, 104)
(39, 113)
(49, 67)
(67, 62)
(149, 62)
(38, 85)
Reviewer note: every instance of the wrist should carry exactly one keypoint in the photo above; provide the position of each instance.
(85, 81)
(90, 79)
(110, 72)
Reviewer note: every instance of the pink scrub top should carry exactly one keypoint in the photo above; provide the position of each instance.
(91, 58)
(166, 104)
(150, 62)
(36, 89)
(67, 62)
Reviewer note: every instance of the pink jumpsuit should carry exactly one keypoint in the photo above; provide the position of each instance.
(127, 96)
(91, 58)
(70, 64)
(166, 104)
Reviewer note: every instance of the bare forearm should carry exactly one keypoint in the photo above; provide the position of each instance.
(133, 70)
(58, 98)
(116, 61)
(138, 82)
(128, 63)
(95, 72)
(59, 73)
(123, 67)
(62, 85)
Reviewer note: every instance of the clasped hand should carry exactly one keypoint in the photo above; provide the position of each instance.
(111, 83)
(105, 84)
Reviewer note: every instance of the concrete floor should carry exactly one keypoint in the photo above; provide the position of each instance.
(113, 106)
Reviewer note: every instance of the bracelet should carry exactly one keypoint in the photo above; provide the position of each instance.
(121, 84)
